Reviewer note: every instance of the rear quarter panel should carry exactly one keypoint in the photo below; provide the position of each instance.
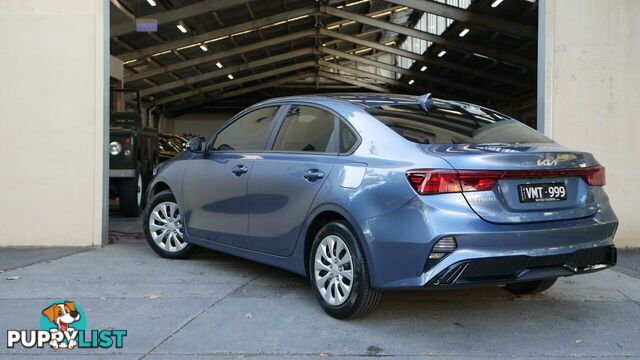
(383, 188)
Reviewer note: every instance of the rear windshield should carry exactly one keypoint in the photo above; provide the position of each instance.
(454, 123)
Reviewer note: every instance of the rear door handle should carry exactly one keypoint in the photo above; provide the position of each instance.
(313, 175)
(239, 170)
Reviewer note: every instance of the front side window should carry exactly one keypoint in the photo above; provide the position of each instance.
(249, 132)
(306, 129)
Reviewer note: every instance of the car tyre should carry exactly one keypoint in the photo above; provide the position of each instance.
(171, 243)
(341, 256)
(530, 287)
(131, 194)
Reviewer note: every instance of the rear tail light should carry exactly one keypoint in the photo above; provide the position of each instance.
(596, 176)
(440, 181)
(426, 182)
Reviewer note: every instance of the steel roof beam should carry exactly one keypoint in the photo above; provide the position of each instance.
(177, 14)
(355, 82)
(437, 39)
(206, 89)
(234, 69)
(466, 16)
(427, 60)
(269, 84)
(228, 94)
(227, 31)
(243, 49)
(360, 73)
(220, 55)
(413, 74)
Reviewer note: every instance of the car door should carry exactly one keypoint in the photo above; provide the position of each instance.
(285, 179)
(215, 184)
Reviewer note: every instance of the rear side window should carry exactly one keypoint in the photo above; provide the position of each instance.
(347, 138)
(454, 123)
(249, 132)
(306, 129)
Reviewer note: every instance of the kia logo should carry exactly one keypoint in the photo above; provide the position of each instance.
(547, 162)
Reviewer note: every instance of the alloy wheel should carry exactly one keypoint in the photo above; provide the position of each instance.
(165, 227)
(333, 270)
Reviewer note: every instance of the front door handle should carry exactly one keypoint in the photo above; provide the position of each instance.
(313, 175)
(239, 170)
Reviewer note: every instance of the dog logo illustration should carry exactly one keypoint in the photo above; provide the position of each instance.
(62, 315)
(63, 325)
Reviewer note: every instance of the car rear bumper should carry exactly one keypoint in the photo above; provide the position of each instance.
(508, 269)
(398, 245)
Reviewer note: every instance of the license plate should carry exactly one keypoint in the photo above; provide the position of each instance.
(542, 192)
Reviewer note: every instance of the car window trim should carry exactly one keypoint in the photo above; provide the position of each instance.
(336, 128)
(212, 138)
(355, 145)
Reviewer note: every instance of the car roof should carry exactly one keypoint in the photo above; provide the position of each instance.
(365, 100)
(361, 99)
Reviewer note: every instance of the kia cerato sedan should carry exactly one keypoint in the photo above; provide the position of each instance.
(363, 193)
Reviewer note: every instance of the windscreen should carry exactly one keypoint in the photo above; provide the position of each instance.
(454, 123)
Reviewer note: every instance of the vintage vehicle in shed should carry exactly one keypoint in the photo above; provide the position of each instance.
(133, 151)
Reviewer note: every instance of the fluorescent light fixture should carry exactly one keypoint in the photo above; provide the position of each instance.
(463, 32)
(357, 2)
(423, 68)
(362, 50)
(203, 47)
(129, 62)
(216, 39)
(481, 56)
(242, 33)
(187, 46)
(219, 65)
(381, 14)
(411, 82)
(496, 3)
(390, 43)
(161, 53)
(353, 3)
(182, 27)
(441, 53)
(298, 18)
(230, 77)
(152, 2)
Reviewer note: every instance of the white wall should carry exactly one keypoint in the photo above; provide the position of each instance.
(590, 59)
(52, 122)
(197, 123)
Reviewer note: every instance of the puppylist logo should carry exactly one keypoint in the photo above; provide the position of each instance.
(63, 326)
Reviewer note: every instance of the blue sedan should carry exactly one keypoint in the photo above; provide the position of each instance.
(363, 193)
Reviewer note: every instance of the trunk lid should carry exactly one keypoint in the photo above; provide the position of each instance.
(503, 203)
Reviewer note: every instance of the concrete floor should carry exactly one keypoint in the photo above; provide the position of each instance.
(216, 305)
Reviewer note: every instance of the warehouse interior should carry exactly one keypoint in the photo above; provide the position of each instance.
(198, 62)
(218, 57)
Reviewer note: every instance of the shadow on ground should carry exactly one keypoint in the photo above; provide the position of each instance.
(216, 305)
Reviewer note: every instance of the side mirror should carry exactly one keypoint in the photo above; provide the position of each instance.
(196, 145)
